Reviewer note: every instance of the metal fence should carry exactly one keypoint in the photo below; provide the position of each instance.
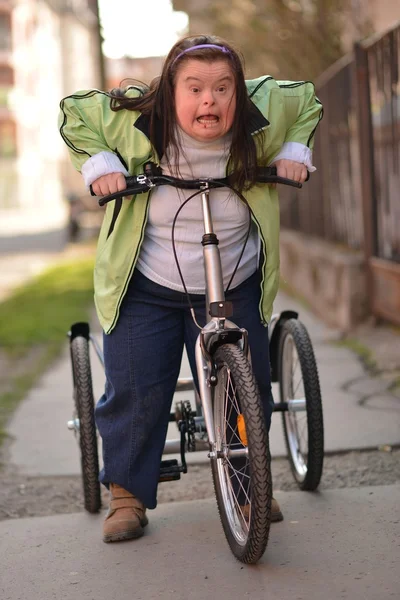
(354, 197)
(383, 58)
(328, 206)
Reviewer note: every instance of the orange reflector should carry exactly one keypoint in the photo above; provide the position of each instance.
(242, 429)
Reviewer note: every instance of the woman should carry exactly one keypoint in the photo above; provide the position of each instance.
(199, 118)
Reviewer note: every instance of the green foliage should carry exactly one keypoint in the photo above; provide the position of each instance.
(294, 39)
(43, 310)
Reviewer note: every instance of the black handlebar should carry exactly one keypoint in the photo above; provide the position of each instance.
(139, 184)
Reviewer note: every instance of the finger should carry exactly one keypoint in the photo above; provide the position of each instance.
(281, 170)
(294, 173)
(304, 173)
(120, 182)
(96, 188)
(299, 173)
(104, 188)
(100, 186)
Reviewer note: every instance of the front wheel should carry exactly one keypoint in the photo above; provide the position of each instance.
(241, 471)
(303, 426)
(87, 434)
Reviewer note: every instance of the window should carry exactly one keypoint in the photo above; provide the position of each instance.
(6, 76)
(5, 31)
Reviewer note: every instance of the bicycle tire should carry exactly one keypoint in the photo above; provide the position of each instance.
(306, 461)
(84, 405)
(247, 538)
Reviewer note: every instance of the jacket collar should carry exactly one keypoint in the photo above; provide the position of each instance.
(255, 123)
(143, 125)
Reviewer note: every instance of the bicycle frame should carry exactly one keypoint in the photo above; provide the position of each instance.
(217, 326)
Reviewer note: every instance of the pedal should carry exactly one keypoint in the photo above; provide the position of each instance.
(170, 470)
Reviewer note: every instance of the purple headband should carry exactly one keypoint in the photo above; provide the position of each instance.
(222, 48)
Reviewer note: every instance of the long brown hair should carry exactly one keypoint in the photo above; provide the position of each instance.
(158, 102)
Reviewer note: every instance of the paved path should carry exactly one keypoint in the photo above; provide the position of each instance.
(335, 544)
(339, 544)
(358, 412)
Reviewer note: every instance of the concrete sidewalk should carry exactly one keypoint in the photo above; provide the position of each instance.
(339, 544)
(359, 412)
(335, 544)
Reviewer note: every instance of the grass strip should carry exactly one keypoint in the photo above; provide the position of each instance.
(42, 311)
(34, 322)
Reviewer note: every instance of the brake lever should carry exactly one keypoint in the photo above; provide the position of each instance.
(132, 191)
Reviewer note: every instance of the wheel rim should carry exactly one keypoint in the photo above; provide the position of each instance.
(75, 416)
(226, 410)
(292, 390)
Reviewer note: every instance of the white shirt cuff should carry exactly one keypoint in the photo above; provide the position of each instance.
(101, 164)
(297, 152)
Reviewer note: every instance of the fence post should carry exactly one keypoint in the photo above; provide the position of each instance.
(366, 148)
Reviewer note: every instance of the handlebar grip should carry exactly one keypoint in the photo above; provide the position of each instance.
(131, 181)
(277, 179)
(270, 175)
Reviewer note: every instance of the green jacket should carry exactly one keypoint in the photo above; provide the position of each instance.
(287, 112)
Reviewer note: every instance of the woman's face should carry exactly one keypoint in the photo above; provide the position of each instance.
(205, 98)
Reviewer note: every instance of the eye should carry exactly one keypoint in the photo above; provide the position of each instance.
(195, 90)
(221, 88)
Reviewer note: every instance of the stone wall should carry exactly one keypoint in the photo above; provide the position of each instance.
(332, 280)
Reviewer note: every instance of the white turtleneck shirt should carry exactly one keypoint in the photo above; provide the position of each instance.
(229, 214)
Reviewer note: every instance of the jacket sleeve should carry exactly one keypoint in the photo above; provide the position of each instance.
(81, 124)
(303, 112)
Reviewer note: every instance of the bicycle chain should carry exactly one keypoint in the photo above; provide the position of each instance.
(189, 423)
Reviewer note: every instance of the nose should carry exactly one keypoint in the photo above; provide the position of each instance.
(208, 98)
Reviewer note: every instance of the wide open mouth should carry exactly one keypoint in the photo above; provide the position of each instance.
(208, 119)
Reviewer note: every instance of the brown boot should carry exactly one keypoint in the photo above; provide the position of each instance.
(126, 516)
(276, 513)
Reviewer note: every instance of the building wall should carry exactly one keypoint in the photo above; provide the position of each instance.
(37, 61)
(141, 69)
(80, 71)
(53, 53)
(8, 147)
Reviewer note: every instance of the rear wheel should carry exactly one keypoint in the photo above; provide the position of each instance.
(241, 472)
(86, 429)
(303, 421)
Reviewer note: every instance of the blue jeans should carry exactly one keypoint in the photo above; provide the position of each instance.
(142, 362)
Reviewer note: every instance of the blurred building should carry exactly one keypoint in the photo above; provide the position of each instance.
(141, 69)
(48, 49)
(376, 15)
(199, 20)
(8, 133)
(379, 14)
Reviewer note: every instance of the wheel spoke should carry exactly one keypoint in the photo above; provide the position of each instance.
(242, 500)
(239, 509)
